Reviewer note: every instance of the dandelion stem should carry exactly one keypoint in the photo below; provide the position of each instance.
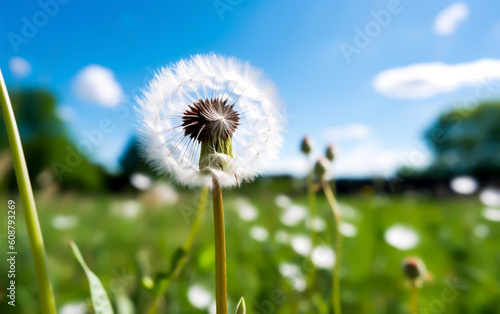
(337, 307)
(48, 304)
(165, 284)
(311, 195)
(220, 250)
(413, 298)
(198, 219)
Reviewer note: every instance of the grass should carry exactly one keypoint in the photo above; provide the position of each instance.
(372, 281)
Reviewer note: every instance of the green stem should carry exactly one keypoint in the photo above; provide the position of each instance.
(337, 306)
(165, 284)
(198, 219)
(414, 298)
(220, 250)
(48, 304)
(311, 196)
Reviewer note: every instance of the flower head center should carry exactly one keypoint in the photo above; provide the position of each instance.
(207, 119)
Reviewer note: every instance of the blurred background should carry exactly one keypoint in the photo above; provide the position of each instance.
(407, 91)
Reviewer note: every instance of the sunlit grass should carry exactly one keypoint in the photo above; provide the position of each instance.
(450, 245)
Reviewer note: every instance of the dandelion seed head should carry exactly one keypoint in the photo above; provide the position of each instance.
(210, 116)
(323, 257)
(199, 297)
(401, 237)
(259, 233)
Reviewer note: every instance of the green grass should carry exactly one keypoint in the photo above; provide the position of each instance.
(372, 280)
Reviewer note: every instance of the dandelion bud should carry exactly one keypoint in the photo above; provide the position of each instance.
(321, 167)
(241, 308)
(330, 153)
(413, 268)
(307, 145)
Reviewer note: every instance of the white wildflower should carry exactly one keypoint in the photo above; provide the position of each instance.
(140, 181)
(401, 237)
(259, 233)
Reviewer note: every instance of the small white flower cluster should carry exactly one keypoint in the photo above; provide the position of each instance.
(226, 96)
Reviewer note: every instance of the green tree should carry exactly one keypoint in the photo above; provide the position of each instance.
(466, 141)
(45, 140)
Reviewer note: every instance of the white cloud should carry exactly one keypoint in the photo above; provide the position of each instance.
(366, 159)
(348, 132)
(97, 84)
(426, 80)
(19, 67)
(447, 20)
(296, 166)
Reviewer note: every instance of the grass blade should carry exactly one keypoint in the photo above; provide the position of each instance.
(47, 300)
(100, 299)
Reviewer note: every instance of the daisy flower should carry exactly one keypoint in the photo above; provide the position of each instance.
(210, 117)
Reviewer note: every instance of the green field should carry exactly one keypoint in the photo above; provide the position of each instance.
(459, 247)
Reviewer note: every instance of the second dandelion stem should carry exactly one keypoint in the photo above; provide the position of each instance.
(164, 284)
(220, 250)
(337, 307)
(414, 298)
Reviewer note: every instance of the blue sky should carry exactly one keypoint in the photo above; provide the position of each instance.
(375, 116)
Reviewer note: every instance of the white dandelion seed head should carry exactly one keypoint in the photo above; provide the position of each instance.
(323, 257)
(401, 237)
(259, 233)
(348, 230)
(214, 100)
(301, 244)
(246, 210)
(61, 222)
(199, 297)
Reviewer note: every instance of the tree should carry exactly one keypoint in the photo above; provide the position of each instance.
(45, 141)
(466, 141)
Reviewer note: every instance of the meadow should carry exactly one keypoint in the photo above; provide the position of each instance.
(126, 239)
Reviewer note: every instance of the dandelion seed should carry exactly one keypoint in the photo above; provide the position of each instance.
(61, 222)
(140, 181)
(491, 214)
(199, 297)
(490, 197)
(259, 233)
(293, 215)
(293, 273)
(401, 237)
(210, 117)
(323, 257)
(464, 185)
(246, 211)
(299, 283)
(349, 212)
(301, 245)
(131, 209)
(289, 270)
(481, 231)
(165, 193)
(318, 224)
(282, 201)
(282, 236)
(73, 308)
(348, 230)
